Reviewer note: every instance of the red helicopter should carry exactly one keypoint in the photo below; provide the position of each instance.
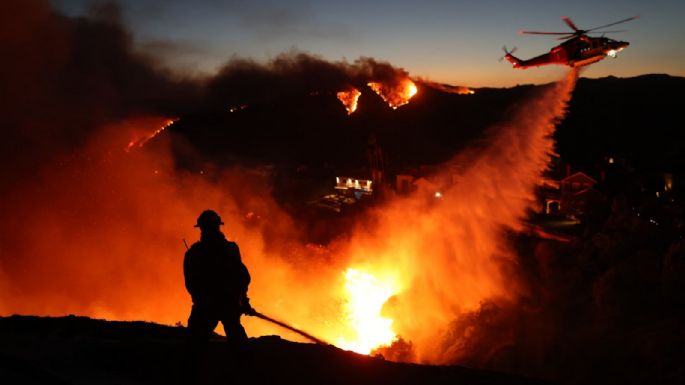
(578, 50)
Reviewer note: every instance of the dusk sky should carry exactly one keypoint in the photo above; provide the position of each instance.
(456, 42)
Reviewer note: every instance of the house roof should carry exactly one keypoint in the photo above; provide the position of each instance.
(587, 192)
(579, 177)
(424, 183)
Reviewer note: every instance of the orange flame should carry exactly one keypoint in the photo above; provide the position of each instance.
(139, 139)
(366, 296)
(396, 95)
(349, 99)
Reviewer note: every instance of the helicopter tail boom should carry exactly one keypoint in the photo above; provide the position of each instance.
(508, 54)
(515, 62)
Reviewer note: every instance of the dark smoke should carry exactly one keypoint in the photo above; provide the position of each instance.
(95, 230)
(61, 78)
(294, 73)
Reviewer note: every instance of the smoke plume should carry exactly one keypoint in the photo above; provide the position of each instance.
(62, 78)
(243, 81)
(97, 230)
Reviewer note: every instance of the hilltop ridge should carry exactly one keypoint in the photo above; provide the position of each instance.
(80, 350)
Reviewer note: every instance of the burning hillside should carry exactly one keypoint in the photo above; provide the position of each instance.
(459, 90)
(242, 82)
(140, 138)
(397, 94)
(349, 99)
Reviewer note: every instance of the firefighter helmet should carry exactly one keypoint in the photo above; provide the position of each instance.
(208, 218)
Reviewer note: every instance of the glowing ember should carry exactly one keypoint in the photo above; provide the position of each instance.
(397, 94)
(366, 296)
(139, 141)
(237, 108)
(349, 99)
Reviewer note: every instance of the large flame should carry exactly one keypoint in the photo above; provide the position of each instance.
(396, 94)
(349, 99)
(366, 295)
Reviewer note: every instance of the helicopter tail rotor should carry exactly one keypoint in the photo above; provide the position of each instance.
(506, 52)
(515, 62)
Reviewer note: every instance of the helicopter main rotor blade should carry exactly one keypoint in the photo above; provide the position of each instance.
(567, 37)
(614, 31)
(614, 23)
(569, 22)
(542, 33)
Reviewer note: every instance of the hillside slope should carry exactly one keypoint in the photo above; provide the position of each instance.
(79, 350)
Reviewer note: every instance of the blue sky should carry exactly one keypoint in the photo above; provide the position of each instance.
(456, 42)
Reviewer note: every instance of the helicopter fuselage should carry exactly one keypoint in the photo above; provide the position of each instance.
(577, 52)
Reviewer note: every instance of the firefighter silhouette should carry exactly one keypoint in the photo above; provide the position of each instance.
(217, 281)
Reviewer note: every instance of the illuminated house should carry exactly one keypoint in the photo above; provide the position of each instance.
(357, 186)
(571, 196)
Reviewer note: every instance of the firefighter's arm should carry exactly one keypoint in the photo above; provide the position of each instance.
(245, 306)
(243, 280)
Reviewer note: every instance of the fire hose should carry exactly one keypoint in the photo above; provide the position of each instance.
(286, 326)
(282, 324)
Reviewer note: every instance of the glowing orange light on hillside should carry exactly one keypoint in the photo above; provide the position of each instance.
(412, 89)
(366, 295)
(349, 99)
(395, 95)
(458, 90)
(139, 141)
